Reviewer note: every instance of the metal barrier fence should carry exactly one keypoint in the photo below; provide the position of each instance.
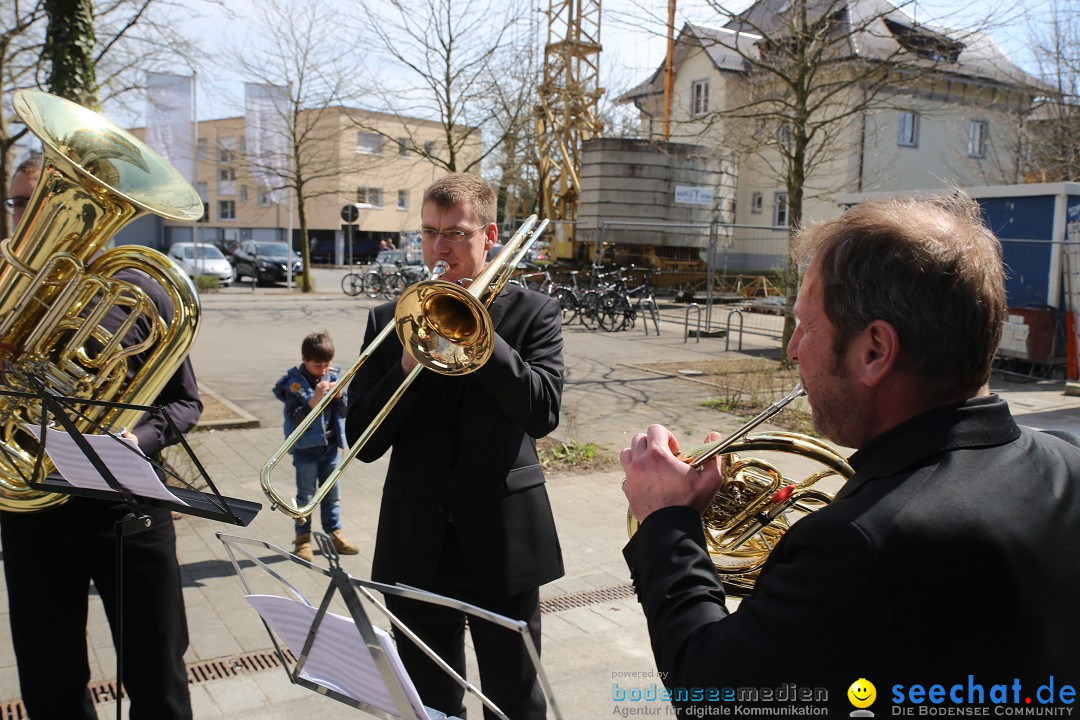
(718, 266)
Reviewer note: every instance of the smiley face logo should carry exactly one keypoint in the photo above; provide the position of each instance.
(862, 693)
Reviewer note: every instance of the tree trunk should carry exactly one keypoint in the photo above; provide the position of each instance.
(69, 51)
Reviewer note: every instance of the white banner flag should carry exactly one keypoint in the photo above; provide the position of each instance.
(266, 108)
(169, 128)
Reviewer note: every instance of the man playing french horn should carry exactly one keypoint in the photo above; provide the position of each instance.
(951, 554)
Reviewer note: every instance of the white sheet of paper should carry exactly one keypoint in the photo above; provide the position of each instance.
(338, 659)
(132, 470)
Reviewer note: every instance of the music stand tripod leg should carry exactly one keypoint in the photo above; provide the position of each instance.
(133, 522)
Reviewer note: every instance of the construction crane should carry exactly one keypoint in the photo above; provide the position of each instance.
(568, 111)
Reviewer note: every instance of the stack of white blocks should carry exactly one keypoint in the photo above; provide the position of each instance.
(1014, 338)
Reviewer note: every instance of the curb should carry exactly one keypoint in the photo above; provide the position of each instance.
(242, 420)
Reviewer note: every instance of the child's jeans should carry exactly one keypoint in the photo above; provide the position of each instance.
(313, 466)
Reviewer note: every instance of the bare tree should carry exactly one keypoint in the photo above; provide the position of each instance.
(319, 82)
(812, 71)
(1053, 130)
(452, 53)
(512, 163)
(119, 41)
(20, 47)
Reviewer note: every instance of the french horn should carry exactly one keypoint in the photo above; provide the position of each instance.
(757, 503)
(56, 284)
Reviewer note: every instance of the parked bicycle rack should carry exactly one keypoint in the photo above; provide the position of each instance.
(686, 322)
(654, 312)
(727, 341)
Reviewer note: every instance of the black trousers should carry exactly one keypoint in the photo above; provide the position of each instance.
(507, 675)
(50, 558)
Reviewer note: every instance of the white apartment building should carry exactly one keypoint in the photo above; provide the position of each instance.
(953, 116)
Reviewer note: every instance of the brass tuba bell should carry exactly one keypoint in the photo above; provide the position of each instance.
(56, 285)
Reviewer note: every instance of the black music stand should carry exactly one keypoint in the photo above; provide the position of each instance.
(191, 500)
(360, 635)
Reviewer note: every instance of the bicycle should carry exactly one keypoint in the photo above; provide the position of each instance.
(352, 284)
(373, 283)
(588, 302)
(395, 283)
(617, 311)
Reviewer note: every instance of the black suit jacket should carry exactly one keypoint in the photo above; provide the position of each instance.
(953, 551)
(464, 452)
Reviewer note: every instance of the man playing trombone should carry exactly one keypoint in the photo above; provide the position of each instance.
(950, 557)
(465, 512)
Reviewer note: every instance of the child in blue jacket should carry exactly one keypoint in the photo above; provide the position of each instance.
(315, 455)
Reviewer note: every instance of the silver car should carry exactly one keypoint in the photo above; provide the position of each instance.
(202, 259)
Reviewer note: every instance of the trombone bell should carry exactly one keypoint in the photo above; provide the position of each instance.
(444, 327)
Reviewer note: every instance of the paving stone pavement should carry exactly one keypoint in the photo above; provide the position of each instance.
(593, 630)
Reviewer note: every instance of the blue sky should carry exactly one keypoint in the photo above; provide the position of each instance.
(632, 33)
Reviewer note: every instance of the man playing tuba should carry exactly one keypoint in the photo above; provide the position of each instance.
(51, 556)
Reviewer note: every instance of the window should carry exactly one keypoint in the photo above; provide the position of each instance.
(369, 143)
(756, 202)
(226, 209)
(783, 137)
(402, 147)
(226, 181)
(429, 148)
(978, 130)
(780, 209)
(243, 194)
(226, 149)
(369, 197)
(402, 199)
(202, 189)
(699, 97)
(908, 130)
(202, 149)
(266, 199)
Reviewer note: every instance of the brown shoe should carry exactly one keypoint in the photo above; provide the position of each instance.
(302, 547)
(343, 546)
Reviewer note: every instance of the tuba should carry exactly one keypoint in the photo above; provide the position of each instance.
(56, 285)
(756, 503)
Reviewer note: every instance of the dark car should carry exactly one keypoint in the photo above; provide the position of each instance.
(265, 261)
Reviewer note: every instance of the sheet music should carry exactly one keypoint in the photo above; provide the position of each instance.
(338, 659)
(131, 469)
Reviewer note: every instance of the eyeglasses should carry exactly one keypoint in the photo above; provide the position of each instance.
(15, 203)
(452, 236)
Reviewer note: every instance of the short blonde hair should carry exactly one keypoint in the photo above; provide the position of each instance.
(461, 189)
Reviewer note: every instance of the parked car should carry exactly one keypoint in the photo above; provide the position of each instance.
(202, 259)
(265, 261)
(775, 304)
(393, 257)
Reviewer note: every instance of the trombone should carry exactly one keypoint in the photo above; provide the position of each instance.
(443, 326)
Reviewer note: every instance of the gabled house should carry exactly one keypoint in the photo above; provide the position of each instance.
(896, 105)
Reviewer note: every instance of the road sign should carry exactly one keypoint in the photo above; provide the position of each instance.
(349, 213)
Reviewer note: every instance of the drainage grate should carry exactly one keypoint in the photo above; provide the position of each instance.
(586, 598)
(197, 674)
(235, 665)
(261, 660)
